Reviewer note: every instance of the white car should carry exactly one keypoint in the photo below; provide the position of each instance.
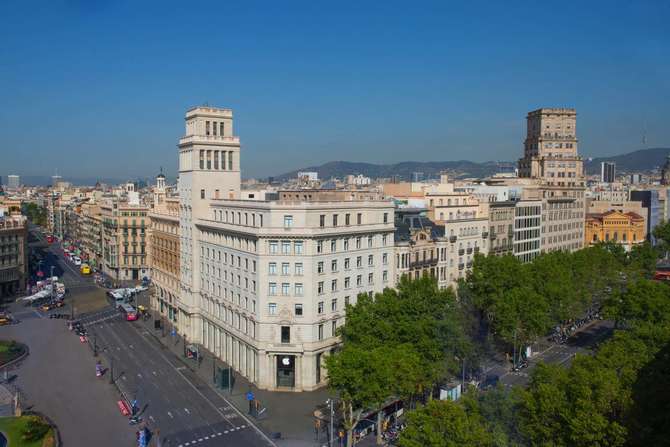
(76, 260)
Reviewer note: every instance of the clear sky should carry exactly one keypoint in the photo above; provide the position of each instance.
(100, 87)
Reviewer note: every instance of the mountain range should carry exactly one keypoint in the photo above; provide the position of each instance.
(642, 160)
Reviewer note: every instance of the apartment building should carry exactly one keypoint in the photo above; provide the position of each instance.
(527, 229)
(124, 239)
(13, 252)
(91, 233)
(420, 246)
(551, 158)
(265, 283)
(501, 227)
(164, 256)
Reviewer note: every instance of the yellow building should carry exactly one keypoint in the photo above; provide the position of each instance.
(627, 229)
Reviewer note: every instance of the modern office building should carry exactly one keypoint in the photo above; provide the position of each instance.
(650, 201)
(13, 181)
(607, 172)
(551, 158)
(264, 283)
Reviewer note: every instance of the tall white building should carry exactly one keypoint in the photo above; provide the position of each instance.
(13, 181)
(264, 283)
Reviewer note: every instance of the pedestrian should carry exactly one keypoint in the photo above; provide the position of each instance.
(317, 426)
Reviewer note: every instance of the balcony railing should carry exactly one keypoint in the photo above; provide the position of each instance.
(469, 250)
(485, 234)
(452, 239)
(461, 252)
(461, 266)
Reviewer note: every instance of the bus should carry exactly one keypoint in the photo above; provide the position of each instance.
(128, 311)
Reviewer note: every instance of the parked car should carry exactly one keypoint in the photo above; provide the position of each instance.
(76, 260)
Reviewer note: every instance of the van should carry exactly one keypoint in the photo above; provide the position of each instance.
(128, 312)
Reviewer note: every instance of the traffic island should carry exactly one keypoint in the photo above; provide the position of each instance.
(27, 431)
(11, 352)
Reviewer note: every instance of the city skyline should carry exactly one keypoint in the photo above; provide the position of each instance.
(314, 86)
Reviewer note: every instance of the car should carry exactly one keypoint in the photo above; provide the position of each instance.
(76, 260)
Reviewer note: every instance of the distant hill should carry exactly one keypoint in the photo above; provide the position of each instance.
(404, 170)
(640, 160)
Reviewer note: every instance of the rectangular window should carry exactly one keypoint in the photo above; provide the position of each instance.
(333, 285)
(221, 128)
(202, 159)
(359, 218)
(298, 309)
(285, 247)
(371, 260)
(333, 305)
(333, 246)
(273, 247)
(216, 160)
(385, 258)
(319, 307)
(345, 244)
(230, 160)
(285, 289)
(288, 221)
(370, 278)
(347, 282)
(299, 289)
(286, 334)
(319, 267)
(347, 219)
(206, 127)
(359, 262)
(334, 220)
(385, 276)
(297, 246)
(202, 193)
(272, 308)
(334, 328)
(298, 268)
(384, 240)
(321, 332)
(386, 217)
(285, 266)
(272, 288)
(359, 280)
(319, 247)
(209, 159)
(322, 220)
(319, 288)
(333, 265)
(272, 268)
(346, 264)
(358, 242)
(369, 241)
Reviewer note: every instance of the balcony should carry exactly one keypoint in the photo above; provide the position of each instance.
(469, 250)
(461, 266)
(476, 249)
(485, 234)
(461, 252)
(469, 264)
(452, 239)
(493, 236)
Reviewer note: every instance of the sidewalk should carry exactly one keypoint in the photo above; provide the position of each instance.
(291, 414)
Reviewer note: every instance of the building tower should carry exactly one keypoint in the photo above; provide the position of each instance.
(209, 168)
(607, 172)
(159, 189)
(551, 158)
(665, 172)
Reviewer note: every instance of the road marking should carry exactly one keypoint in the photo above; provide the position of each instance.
(152, 418)
(219, 434)
(154, 373)
(139, 375)
(170, 414)
(186, 410)
(206, 438)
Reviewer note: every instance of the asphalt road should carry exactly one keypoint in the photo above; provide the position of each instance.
(176, 405)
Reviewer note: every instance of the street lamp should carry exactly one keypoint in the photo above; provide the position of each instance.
(330, 439)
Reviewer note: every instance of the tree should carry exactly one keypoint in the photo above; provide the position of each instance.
(643, 300)
(662, 234)
(444, 424)
(642, 260)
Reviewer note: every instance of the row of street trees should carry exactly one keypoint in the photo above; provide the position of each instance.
(403, 343)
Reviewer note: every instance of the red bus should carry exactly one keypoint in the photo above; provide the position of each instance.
(128, 311)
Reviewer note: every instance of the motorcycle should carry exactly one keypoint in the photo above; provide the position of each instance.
(134, 420)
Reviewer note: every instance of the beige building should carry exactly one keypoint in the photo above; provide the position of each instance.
(13, 252)
(164, 255)
(551, 158)
(625, 228)
(124, 240)
(501, 228)
(264, 283)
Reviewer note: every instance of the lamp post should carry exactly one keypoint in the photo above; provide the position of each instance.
(330, 438)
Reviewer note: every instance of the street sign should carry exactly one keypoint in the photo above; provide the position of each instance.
(250, 396)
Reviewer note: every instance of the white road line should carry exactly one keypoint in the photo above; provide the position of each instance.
(186, 410)
(152, 418)
(170, 414)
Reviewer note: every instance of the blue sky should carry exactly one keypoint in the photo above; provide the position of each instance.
(100, 88)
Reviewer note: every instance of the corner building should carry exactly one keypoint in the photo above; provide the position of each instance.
(265, 283)
(551, 158)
